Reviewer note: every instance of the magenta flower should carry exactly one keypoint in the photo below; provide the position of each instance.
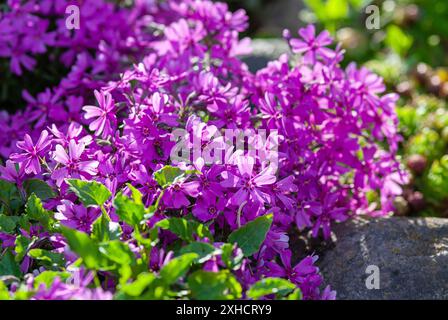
(207, 208)
(104, 115)
(30, 158)
(12, 172)
(175, 196)
(296, 273)
(313, 47)
(250, 185)
(72, 163)
(76, 216)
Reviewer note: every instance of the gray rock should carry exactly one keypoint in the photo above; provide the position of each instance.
(411, 254)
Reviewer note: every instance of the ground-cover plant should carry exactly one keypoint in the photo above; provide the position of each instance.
(189, 177)
(408, 51)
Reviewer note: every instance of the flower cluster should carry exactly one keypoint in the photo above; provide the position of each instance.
(34, 39)
(334, 152)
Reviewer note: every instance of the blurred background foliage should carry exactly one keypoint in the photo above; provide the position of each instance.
(410, 51)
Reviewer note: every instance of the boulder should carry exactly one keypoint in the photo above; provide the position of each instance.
(411, 255)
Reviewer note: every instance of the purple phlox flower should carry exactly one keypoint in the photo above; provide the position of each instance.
(158, 110)
(365, 87)
(142, 128)
(104, 115)
(233, 114)
(12, 172)
(30, 158)
(276, 242)
(73, 132)
(46, 106)
(73, 164)
(328, 294)
(74, 106)
(159, 257)
(282, 191)
(212, 91)
(209, 179)
(208, 207)
(325, 212)
(250, 185)
(7, 240)
(76, 216)
(297, 274)
(20, 58)
(180, 37)
(76, 287)
(313, 47)
(270, 110)
(148, 186)
(175, 195)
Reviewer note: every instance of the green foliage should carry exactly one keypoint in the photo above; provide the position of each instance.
(10, 198)
(398, 40)
(277, 286)
(232, 262)
(220, 285)
(40, 188)
(87, 249)
(185, 229)
(8, 223)
(250, 236)
(91, 193)
(131, 211)
(204, 251)
(35, 211)
(168, 175)
(47, 258)
(436, 186)
(8, 265)
(177, 268)
(177, 276)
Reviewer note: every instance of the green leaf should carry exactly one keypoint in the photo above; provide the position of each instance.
(91, 193)
(40, 188)
(10, 196)
(232, 262)
(295, 295)
(336, 9)
(250, 236)
(8, 223)
(268, 286)
(21, 247)
(205, 285)
(103, 229)
(118, 252)
(397, 40)
(131, 211)
(86, 248)
(205, 251)
(136, 288)
(35, 211)
(4, 293)
(185, 229)
(48, 258)
(8, 265)
(167, 175)
(47, 277)
(177, 268)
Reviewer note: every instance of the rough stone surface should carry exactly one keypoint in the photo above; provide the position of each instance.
(411, 253)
